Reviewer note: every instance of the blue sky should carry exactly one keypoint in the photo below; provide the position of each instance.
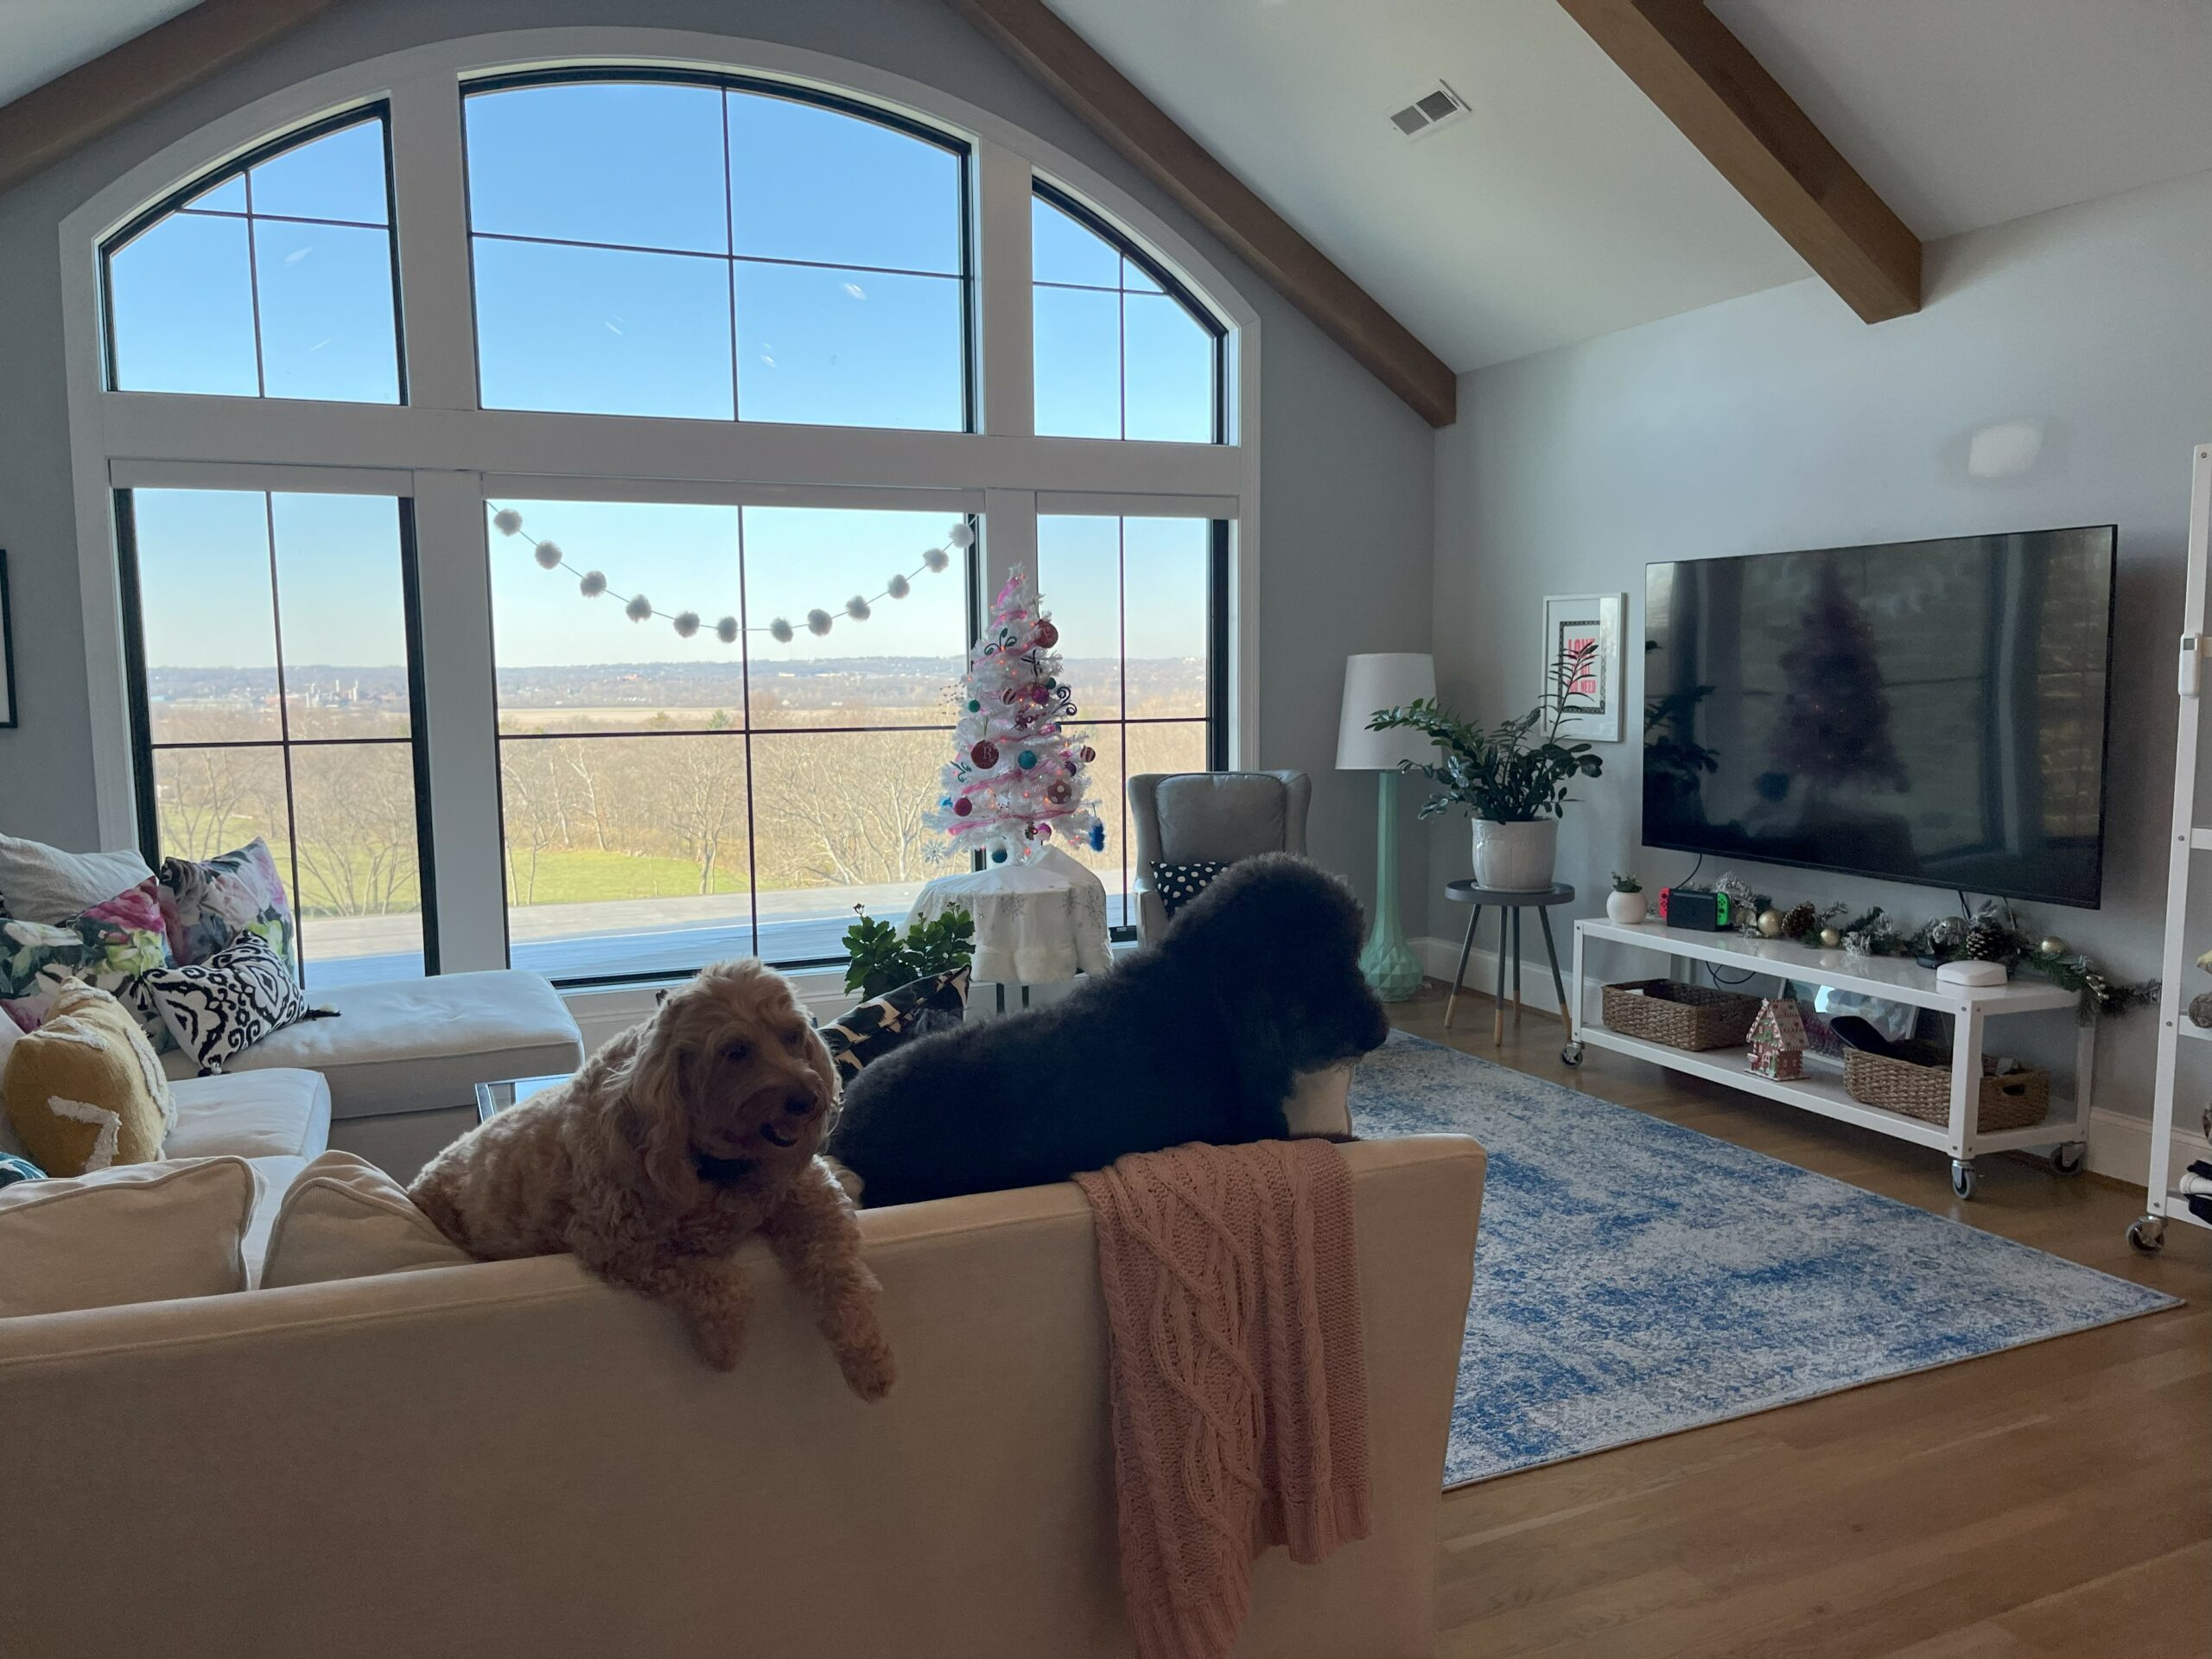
(628, 260)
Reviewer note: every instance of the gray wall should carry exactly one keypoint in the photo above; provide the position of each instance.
(1780, 421)
(1348, 479)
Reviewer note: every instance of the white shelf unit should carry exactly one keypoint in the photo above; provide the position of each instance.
(2064, 1131)
(2162, 1203)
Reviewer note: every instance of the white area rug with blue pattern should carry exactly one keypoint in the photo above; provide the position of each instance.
(1634, 1278)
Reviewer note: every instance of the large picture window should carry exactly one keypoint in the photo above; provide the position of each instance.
(591, 478)
(275, 635)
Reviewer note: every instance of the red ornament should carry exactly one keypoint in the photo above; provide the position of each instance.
(1089, 754)
(1047, 635)
(963, 807)
(985, 754)
(1058, 793)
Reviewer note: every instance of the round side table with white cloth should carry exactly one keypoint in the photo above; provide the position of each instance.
(1037, 925)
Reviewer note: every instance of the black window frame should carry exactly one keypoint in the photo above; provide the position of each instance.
(378, 110)
(729, 81)
(142, 747)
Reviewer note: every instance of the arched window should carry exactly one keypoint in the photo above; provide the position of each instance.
(716, 405)
(271, 278)
(1123, 351)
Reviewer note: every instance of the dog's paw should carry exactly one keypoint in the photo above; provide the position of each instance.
(869, 1370)
(722, 1345)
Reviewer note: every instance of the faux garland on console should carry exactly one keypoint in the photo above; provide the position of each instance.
(1993, 934)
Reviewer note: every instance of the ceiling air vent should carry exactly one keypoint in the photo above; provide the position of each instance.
(1439, 106)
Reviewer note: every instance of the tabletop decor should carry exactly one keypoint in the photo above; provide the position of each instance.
(1996, 932)
(1512, 779)
(1016, 776)
(1376, 681)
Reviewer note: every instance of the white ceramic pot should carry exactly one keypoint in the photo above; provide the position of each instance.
(1516, 857)
(1626, 908)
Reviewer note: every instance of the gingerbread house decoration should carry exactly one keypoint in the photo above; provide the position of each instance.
(1778, 1040)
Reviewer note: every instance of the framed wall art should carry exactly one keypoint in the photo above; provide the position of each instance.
(1582, 663)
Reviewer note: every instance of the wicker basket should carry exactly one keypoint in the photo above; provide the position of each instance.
(1681, 1016)
(1918, 1085)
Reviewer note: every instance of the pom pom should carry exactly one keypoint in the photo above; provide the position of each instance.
(780, 630)
(856, 608)
(985, 754)
(506, 521)
(961, 534)
(687, 623)
(1097, 837)
(638, 608)
(549, 555)
(897, 588)
(725, 630)
(937, 558)
(817, 622)
(592, 584)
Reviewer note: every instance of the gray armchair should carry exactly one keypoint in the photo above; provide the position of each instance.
(1187, 817)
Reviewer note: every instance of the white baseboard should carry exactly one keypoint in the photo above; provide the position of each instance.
(2120, 1144)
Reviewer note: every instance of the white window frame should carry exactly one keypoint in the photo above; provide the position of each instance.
(450, 453)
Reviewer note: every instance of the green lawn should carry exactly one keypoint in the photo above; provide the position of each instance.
(577, 877)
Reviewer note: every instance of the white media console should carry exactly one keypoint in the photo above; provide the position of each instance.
(2064, 1133)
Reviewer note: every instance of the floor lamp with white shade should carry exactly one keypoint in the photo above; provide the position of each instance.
(1374, 681)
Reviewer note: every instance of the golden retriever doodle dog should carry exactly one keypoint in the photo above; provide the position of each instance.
(677, 1141)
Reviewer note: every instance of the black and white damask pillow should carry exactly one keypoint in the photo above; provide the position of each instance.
(1177, 884)
(882, 1023)
(218, 1008)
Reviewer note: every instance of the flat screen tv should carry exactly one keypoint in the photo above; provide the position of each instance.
(1932, 712)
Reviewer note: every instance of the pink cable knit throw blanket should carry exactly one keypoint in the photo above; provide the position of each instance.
(1239, 1387)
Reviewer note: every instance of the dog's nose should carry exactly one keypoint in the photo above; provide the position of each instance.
(799, 1105)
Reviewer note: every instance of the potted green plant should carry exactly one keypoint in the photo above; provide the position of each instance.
(1512, 779)
(1625, 904)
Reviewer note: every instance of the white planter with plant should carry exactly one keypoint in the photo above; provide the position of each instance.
(1512, 779)
(1626, 903)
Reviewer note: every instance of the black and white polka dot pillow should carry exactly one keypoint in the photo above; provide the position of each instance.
(1177, 884)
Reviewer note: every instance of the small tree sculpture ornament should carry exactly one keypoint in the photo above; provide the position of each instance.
(1016, 780)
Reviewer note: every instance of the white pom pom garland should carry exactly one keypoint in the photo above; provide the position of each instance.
(592, 583)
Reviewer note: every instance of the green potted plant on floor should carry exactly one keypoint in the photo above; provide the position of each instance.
(1511, 778)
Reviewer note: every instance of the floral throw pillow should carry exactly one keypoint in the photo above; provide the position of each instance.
(110, 946)
(207, 902)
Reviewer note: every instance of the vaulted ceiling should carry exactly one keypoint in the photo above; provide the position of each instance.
(1565, 205)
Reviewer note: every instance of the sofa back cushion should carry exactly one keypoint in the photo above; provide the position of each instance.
(135, 1233)
(39, 883)
(345, 1218)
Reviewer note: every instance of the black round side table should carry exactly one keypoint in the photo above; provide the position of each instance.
(1509, 904)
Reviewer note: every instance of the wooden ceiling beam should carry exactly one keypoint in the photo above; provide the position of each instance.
(1707, 83)
(1110, 103)
(93, 99)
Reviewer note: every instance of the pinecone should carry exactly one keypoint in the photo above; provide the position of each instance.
(1985, 943)
(1799, 920)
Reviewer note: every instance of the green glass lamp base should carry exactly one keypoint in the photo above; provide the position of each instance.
(1388, 963)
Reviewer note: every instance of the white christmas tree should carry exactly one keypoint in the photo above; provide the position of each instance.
(1016, 779)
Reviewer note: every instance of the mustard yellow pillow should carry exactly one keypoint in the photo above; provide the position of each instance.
(84, 1090)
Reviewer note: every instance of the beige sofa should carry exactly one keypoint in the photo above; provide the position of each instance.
(510, 1458)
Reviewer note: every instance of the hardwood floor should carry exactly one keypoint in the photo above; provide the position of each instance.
(2054, 1499)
